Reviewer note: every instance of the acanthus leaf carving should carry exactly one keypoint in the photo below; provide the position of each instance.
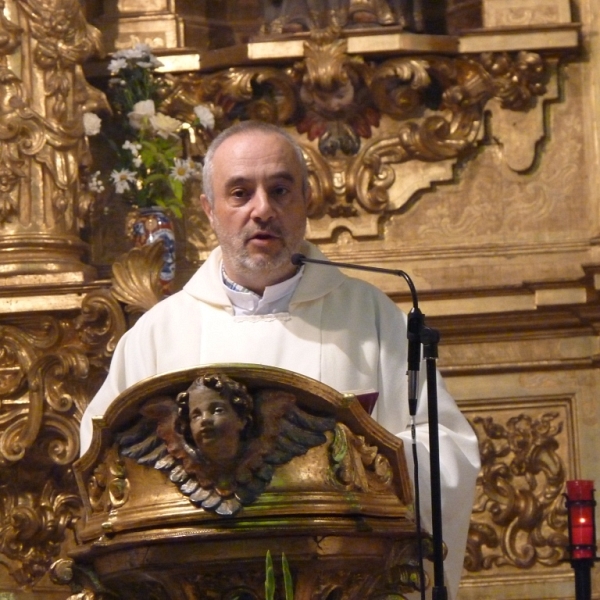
(358, 465)
(136, 277)
(519, 518)
(50, 368)
(32, 529)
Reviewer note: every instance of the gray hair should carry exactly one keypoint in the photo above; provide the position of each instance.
(245, 127)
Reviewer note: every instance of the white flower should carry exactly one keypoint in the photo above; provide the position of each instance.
(205, 116)
(139, 55)
(116, 64)
(91, 123)
(133, 147)
(141, 113)
(164, 126)
(95, 184)
(122, 180)
(137, 161)
(181, 170)
(137, 51)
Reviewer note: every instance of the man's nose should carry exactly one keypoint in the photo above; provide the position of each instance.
(262, 207)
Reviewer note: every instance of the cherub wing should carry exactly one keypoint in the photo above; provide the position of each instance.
(285, 431)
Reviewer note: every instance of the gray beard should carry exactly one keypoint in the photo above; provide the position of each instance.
(252, 264)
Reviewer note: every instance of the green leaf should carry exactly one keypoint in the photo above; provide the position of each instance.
(287, 578)
(269, 578)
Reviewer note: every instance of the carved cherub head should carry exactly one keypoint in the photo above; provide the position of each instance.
(215, 416)
(220, 444)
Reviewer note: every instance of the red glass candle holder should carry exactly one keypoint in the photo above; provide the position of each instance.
(581, 519)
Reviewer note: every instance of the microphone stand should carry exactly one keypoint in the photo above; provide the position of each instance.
(427, 337)
(430, 338)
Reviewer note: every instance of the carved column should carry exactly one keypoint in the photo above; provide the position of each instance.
(43, 94)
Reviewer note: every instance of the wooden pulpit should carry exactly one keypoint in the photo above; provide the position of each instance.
(178, 505)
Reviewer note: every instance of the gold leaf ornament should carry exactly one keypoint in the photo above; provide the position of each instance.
(136, 278)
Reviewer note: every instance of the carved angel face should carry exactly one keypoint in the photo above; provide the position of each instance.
(215, 425)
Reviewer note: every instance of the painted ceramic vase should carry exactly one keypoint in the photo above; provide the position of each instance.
(152, 224)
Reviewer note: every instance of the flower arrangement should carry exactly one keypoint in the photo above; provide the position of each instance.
(150, 167)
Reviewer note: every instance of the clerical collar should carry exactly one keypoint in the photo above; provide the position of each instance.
(275, 299)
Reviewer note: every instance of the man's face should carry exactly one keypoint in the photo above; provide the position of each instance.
(259, 209)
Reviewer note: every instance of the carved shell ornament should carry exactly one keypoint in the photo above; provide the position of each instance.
(220, 444)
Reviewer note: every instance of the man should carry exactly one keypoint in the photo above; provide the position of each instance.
(249, 304)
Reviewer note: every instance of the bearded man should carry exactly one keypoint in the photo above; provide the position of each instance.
(248, 303)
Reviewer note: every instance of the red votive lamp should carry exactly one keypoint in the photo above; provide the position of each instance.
(582, 526)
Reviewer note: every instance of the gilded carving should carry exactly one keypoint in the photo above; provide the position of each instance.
(399, 576)
(336, 105)
(108, 487)
(99, 326)
(218, 443)
(357, 465)
(517, 81)
(42, 142)
(519, 518)
(229, 584)
(50, 365)
(360, 122)
(136, 277)
(82, 580)
(32, 529)
(58, 361)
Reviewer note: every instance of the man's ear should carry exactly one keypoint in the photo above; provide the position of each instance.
(206, 207)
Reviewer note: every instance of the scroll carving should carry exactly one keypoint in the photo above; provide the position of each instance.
(357, 464)
(519, 518)
(362, 122)
(109, 486)
(400, 576)
(58, 361)
(32, 529)
(51, 364)
(136, 278)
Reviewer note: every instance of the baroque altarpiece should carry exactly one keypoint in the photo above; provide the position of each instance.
(456, 140)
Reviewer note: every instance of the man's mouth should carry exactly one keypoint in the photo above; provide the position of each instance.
(264, 236)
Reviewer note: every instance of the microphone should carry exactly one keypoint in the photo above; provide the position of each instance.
(417, 333)
(415, 321)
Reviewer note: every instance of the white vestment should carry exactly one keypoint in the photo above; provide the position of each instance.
(339, 330)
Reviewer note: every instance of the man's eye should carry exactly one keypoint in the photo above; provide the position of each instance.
(280, 191)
